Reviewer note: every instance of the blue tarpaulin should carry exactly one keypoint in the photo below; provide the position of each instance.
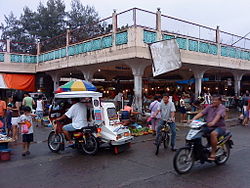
(191, 81)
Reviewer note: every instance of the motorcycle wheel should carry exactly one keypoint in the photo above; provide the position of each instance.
(166, 140)
(222, 158)
(55, 141)
(182, 162)
(90, 145)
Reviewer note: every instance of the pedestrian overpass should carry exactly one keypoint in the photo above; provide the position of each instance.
(123, 50)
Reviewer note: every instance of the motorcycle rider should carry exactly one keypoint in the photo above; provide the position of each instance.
(215, 118)
(78, 113)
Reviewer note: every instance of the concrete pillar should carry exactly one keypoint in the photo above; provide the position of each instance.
(88, 73)
(138, 71)
(218, 40)
(67, 41)
(38, 50)
(7, 55)
(237, 80)
(198, 75)
(56, 79)
(158, 24)
(134, 17)
(114, 25)
(8, 45)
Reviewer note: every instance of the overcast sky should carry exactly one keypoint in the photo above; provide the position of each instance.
(231, 15)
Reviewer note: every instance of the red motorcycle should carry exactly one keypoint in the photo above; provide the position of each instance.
(86, 139)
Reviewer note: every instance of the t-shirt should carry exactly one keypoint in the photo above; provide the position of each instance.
(2, 108)
(39, 105)
(78, 114)
(182, 103)
(28, 102)
(153, 107)
(166, 109)
(207, 98)
(26, 119)
(211, 111)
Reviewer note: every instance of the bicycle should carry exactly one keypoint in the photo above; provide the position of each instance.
(164, 137)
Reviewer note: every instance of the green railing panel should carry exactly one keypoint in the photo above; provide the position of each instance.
(87, 46)
(121, 38)
(77, 49)
(107, 41)
(16, 58)
(204, 47)
(165, 37)
(182, 43)
(237, 54)
(224, 51)
(71, 50)
(63, 52)
(193, 45)
(149, 36)
(244, 55)
(231, 52)
(96, 44)
(57, 54)
(213, 49)
(1, 57)
(29, 59)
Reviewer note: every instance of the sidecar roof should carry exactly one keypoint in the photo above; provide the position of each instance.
(77, 94)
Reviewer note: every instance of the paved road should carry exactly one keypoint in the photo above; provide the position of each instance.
(138, 167)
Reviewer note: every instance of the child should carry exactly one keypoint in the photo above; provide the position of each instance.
(25, 121)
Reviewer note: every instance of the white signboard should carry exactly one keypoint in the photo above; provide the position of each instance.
(166, 56)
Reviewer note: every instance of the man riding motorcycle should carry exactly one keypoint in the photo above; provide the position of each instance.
(78, 113)
(215, 118)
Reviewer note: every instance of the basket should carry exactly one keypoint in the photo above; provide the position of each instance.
(5, 155)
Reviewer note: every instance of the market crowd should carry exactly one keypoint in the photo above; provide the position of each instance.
(17, 117)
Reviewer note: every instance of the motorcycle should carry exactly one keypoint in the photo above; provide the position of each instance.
(196, 150)
(86, 139)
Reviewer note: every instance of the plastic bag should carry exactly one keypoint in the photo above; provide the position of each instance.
(24, 129)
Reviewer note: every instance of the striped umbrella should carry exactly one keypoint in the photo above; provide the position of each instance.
(76, 85)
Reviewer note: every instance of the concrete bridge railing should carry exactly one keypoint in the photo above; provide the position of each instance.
(136, 27)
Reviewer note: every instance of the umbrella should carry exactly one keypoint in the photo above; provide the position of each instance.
(76, 85)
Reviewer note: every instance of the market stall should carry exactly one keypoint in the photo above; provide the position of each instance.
(4, 147)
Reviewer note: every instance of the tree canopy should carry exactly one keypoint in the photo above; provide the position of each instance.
(51, 20)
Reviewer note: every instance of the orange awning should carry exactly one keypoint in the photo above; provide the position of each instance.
(24, 82)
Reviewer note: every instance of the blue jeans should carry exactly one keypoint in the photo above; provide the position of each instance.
(172, 128)
(68, 127)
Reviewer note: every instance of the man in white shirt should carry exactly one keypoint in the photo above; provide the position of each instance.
(78, 113)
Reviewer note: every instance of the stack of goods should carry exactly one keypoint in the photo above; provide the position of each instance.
(140, 131)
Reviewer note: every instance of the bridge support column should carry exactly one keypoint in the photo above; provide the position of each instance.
(88, 73)
(237, 80)
(56, 78)
(198, 75)
(138, 71)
